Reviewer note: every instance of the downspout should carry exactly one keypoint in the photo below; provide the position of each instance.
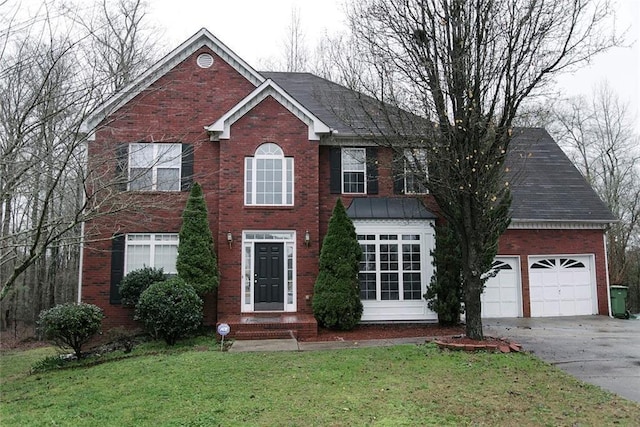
(606, 269)
(81, 261)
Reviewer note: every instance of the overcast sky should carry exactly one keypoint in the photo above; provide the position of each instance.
(255, 30)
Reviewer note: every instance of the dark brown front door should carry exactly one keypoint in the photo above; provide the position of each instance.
(269, 277)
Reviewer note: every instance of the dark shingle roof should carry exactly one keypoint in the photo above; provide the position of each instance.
(347, 112)
(388, 208)
(545, 185)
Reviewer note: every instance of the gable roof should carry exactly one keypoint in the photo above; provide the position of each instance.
(200, 39)
(221, 128)
(347, 112)
(546, 186)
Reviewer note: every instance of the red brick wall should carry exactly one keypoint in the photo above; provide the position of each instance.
(267, 122)
(175, 108)
(556, 242)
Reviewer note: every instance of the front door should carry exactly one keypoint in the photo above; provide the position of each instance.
(269, 277)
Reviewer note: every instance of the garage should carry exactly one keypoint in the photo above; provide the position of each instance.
(501, 295)
(562, 286)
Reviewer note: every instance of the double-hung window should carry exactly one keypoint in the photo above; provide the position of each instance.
(354, 170)
(157, 250)
(415, 171)
(269, 177)
(155, 167)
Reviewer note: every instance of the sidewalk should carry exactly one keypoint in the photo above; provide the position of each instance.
(294, 345)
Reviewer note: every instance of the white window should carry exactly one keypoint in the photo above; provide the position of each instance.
(151, 250)
(415, 171)
(155, 167)
(269, 177)
(391, 267)
(354, 170)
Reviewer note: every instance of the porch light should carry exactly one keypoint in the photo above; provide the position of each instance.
(229, 238)
(307, 238)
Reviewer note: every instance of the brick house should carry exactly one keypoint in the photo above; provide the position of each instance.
(273, 155)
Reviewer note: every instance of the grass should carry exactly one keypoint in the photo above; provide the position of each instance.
(194, 385)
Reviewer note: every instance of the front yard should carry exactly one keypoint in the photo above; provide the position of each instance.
(196, 385)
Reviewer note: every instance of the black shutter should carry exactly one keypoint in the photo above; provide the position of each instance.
(122, 166)
(117, 267)
(372, 170)
(187, 167)
(335, 168)
(398, 173)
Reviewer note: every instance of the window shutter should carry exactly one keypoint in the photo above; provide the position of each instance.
(122, 166)
(117, 267)
(372, 170)
(398, 173)
(335, 168)
(187, 167)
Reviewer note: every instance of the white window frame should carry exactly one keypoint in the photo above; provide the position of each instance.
(419, 158)
(153, 240)
(249, 238)
(155, 163)
(269, 151)
(345, 153)
(401, 310)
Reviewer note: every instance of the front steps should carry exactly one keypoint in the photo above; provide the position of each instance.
(263, 326)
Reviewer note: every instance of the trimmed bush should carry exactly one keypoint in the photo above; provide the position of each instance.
(136, 282)
(170, 310)
(197, 263)
(336, 298)
(71, 325)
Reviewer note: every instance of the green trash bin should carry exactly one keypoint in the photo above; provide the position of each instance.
(619, 301)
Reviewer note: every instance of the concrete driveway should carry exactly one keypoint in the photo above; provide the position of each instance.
(595, 349)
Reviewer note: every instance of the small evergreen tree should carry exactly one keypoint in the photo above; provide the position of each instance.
(336, 299)
(444, 294)
(197, 263)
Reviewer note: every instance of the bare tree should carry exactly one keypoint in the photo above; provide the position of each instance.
(295, 53)
(468, 66)
(597, 134)
(46, 189)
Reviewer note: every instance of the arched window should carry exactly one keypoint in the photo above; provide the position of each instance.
(268, 177)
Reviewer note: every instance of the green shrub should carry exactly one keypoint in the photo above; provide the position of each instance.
(444, 294)
(197, 263)
(49, 363)
(336, 298)
(135, 283)
(170, 310)
(71, 325)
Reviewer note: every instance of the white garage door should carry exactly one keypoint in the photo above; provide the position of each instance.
(501, 295)
(561, 286)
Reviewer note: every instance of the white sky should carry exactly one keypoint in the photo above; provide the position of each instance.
(255, 30)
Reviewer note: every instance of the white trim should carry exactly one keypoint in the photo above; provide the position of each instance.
(521, 224)
(221, 128)
(288, 238)
(81, 260)
(203, 38)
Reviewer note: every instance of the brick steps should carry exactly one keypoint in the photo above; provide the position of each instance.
(271, 326)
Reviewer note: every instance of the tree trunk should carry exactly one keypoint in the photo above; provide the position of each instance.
(473, 307)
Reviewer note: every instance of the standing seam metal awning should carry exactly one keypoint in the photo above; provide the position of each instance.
(388, 208)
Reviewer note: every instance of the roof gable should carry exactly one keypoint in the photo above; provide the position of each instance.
(221, 128)
(198, 40)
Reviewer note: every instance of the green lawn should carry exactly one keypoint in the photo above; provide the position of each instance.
(392, 386)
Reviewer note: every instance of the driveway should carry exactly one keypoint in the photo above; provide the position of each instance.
(595, 349)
